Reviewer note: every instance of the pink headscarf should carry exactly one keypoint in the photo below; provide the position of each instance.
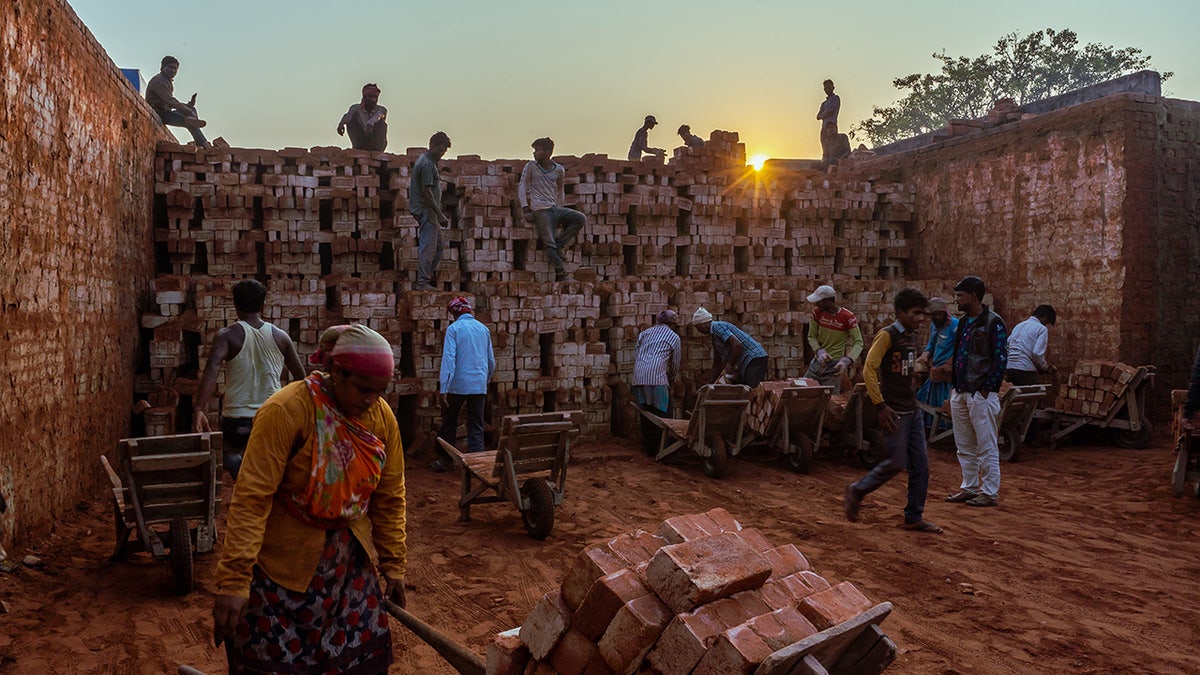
(325, 345)
(362, 351)
(459, 305)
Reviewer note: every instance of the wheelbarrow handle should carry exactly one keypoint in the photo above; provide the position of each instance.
(458, 656)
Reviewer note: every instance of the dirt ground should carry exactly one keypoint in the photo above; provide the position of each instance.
(1088, 565)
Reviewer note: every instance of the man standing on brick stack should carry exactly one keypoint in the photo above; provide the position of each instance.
(655, 367)
(256, 352)
(829, 330)
(366, 121)
(1027, 347)
(980, 356)
(541, 194)
(641, 141)
(467, 366)
(828, 115)
(160, 94)
(425, 204)
(733, 350)
(888, 372)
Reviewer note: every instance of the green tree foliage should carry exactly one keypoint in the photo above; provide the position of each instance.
(1026, 69)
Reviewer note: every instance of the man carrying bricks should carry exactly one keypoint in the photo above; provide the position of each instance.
(1027, 347)
(160, 94)
(641, 141)
(366, 121)
(733, 350)
(888, 372)
(425, 204)
(467, 366)
(655, 367)
(541, 195)
(256, 352)
(980, 356)
(829, 330)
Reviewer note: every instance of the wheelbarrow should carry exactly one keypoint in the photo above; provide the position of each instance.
(1187, 450)
(166, 481)
(713, 429)
(1126, 415)
(788, 417)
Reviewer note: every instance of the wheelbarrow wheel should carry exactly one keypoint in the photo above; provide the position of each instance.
(181, 556)
(539, 517)
(876, 449)
(1136, 440)
(1009, 442)
(800, 459)
(714, 464)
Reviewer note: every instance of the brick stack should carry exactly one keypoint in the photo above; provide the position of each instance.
(700, 595)
(1094, 387)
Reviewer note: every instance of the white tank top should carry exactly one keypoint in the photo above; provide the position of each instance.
(253, 374)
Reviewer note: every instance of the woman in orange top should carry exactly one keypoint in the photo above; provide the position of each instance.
(320, 494)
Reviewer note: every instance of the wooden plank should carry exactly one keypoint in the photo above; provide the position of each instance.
(146, 463)
(169, 445)
(161, 513)
(166, 492)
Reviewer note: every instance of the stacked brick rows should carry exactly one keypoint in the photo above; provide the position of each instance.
(702, 594)
(329, 231)
(1094, 387)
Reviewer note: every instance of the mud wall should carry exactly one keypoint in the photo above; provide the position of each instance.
(76, 156)
(1091, 208)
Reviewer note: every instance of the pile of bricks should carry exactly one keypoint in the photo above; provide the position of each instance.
(702, 594)
(1094, 387)
(764, 401)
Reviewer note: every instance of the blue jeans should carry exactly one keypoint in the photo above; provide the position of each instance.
(449, 431)
(547, 221)
(429, 246)
(175, 118)
(906, 450)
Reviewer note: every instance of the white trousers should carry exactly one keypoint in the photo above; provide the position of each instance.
(975, 418)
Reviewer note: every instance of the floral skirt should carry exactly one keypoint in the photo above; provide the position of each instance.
(337, 626)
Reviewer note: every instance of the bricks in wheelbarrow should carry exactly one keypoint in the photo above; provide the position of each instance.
(607, 596)
(742, 648)
(592, 564)
(577, 655)
(633, 631)
(546, 625)
(696, 572)
(506, 654)
(833, 606)
(686, 528)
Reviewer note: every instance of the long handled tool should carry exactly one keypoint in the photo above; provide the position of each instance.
(463, 660)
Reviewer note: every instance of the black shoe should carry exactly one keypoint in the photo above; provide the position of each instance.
(440, 465)
(852, 503)
(983, 500)
(962, 496)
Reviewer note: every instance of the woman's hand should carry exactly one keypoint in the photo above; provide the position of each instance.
(393, 589)
(228, 612)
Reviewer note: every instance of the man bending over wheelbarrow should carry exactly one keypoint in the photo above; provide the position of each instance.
(733, 350)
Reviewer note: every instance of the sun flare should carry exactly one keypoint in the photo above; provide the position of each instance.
(757, 162)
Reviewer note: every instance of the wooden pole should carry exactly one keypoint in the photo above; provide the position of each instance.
(463, 660)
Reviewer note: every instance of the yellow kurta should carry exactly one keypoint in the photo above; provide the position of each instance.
(260, 532)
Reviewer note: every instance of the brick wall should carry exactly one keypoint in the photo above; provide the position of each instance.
(76, 153)
(1090, 208)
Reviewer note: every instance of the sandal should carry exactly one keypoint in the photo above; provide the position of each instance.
(923, 526)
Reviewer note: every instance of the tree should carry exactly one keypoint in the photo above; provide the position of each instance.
(1026, 69)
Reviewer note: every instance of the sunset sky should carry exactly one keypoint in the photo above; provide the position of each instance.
(496, 75)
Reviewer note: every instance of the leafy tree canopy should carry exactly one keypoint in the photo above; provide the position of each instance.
(1026, 69)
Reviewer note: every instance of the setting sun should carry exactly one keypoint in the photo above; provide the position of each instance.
(757, 161)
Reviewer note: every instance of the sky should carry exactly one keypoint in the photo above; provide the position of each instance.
(496, 75)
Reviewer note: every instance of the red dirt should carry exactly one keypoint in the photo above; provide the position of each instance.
(1088, 565)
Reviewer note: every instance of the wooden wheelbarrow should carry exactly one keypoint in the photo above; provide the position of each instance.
(788, 417)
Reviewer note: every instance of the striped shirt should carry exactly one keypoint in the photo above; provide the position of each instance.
(722, 331)
(657, 359)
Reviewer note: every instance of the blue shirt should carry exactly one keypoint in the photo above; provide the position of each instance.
(467, 358)
(722, 331)
(941, 342)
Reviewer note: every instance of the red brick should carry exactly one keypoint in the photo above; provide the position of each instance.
(636, 548)
(574, 653)
(539, 668)
(724, 520)
(786, 560)
(546, 624)
(680, 529)
(776, 595)
(590, 565)
(835, 605)
(606, 597)
(737, 650)
(752, 602)
(803, 584)
(684, 642)
(782, 627)
(728, 611)
(755, 539)
(506, 654)
(696, 572)
(632, 633)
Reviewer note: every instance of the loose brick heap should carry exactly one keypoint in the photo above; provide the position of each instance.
(1094, 387)
(702, 594)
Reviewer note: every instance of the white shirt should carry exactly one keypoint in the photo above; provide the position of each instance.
(1027, 346)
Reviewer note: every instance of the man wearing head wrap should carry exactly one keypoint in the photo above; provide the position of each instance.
(468, 363)
(655, 367)
(936, 357)
(733, 350)
(366, 121)
(256, 353)
(830, 330)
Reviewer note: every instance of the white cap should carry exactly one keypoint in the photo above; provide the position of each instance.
(701, 316)
(822, 293)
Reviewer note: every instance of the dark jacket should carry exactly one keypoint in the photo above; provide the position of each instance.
(1193, 399)
(981, 366)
